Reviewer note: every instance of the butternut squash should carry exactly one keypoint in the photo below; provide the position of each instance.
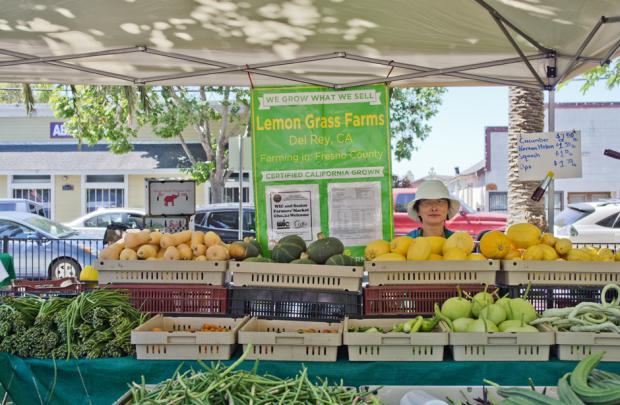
(182, 237)
(184, 251)
(172, 253)
(112, 252)
(217, 253)
(147, 251)
(155, 237)
(153, 258)
(202, 258)
(211, 238)
(199, 249)
(160, 253)
(166, 241)
(198, 237)
(128, 254)
(135, 239)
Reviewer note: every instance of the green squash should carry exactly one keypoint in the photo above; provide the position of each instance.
(258, 259)
(303, 261)
(242, 250)
(340, 260)
(249, 239)
(288, 248)
(324, 248)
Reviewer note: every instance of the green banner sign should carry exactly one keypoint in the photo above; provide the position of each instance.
(322, 163)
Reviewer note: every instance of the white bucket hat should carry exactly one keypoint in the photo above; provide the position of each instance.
(433, 190)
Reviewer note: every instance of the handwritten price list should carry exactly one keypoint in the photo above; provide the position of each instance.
(559, 152)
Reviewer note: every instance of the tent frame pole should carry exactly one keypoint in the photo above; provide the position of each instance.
(26, 61)
(575, 58)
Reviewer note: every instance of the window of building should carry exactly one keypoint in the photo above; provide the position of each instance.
(37, 188)
(587, 197)
(402, 200)
(498, 201)
(231, 195)
(104, 191)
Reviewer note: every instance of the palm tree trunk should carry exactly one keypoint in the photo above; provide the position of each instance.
(526, 115)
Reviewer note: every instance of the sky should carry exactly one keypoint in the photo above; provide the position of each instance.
(457, 135)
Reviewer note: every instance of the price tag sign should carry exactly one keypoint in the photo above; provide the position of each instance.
(559, 152)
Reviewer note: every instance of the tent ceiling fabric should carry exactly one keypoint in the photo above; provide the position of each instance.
(336, 43)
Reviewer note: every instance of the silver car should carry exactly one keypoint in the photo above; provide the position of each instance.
(43, 249)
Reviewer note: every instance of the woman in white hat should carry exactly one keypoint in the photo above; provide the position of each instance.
(432, 206)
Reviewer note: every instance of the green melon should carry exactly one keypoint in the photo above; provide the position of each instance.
(295, 239)
(259, 259)
(340, 260)
(324, 248)
(249, 239)
(303, 261)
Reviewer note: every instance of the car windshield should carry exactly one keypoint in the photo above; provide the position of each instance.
(570, 215)
(8, 206)
(53, 228)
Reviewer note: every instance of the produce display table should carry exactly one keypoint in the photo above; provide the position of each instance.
(103, 381)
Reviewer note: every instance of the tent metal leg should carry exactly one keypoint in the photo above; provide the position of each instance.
(582, 47)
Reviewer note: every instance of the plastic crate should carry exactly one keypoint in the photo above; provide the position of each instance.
(576, 346)
(281, 340)
(432, 272)
(176, 298)
(545, 297)
(294, 303)
(411, 299)
(393, 346)
(47, 288)
(286, 275)
(502, 346)
(181, 338)
(162, 272)
(563, 273)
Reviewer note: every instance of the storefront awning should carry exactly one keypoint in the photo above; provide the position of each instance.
(333, 43)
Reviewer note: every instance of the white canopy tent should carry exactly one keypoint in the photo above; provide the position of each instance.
(333, 43)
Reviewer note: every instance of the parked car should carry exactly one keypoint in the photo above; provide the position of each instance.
(43, 249)
(468, 220)
(21, 205)
(590, 222)
(223, 219)
(95, 223)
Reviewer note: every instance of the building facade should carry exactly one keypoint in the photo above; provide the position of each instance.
(484, 186)
(39, 162)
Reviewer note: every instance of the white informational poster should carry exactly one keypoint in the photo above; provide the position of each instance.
(355, 212)
(293, 210)
(559, 152)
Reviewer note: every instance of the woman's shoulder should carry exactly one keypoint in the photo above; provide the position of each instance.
(415, 233)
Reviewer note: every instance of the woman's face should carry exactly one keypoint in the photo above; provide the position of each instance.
(433, 212)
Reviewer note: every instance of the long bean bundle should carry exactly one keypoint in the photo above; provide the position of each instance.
(586, 316)
(217, 384)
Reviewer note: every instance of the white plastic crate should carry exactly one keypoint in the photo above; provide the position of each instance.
(540, 272)
(393, 346)
(502, 346)
(576, 346)
(182, 338)
(315, 276)
(281, 340)
(432, 272)
(162, 272)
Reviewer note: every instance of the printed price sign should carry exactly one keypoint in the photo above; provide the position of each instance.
(559, 152)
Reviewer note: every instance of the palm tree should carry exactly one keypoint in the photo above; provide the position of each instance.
(526, 114)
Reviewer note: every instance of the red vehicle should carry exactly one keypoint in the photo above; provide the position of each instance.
(469, 220)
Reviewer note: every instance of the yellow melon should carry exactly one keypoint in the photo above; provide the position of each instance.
(549, 253)
(389, 257)
(420, 249)
(436, 244)
(563, 246)
(523, 235)
(376, 248)
(495, 245)
(401, 244)
(513, 254)
(578, 255)
(459, 240)
(534, 252)
(591, 250)
(547, 238)
(476, 256)
(435, 256)
(454, 254)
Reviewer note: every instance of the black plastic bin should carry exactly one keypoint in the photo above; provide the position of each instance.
(544, 297)
(289, 303)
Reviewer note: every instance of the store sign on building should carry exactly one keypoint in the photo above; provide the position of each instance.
(57, 131)
(322, 164)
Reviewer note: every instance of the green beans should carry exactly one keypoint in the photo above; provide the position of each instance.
(219, 385)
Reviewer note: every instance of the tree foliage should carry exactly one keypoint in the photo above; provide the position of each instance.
(610, 73)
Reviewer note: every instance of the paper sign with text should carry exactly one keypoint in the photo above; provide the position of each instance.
(559, 152)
